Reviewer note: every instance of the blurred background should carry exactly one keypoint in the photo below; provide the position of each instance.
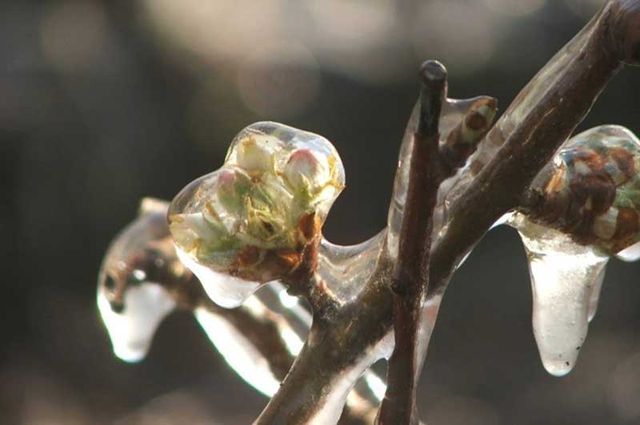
(104, 102)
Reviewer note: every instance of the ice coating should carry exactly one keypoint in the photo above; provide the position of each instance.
(346, 269)
(594, 299)
(430, 315)
(565, 280)
(255, 219)
(238, 351)
(131, 304)
(132, 309)
(452, 114)
(591, 190)
(334, 401)
(524, 103)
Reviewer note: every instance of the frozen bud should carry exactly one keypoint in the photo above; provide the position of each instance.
(591, 191)
(305, 172)
(233, 188)
(243, 220)
(478, 120)
(254, 155)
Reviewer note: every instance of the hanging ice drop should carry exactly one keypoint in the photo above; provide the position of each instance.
(225, 290)
(586, 204)
(564, 275)
(132, 305)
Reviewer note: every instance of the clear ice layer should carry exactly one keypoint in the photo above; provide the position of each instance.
(146, 243)
(565, 278)
(226, 291)
(453, 111)
(336, 398)
(594, 299)
(238, 351)
(346, 269)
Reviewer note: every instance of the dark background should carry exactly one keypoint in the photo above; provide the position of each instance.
(102, 103)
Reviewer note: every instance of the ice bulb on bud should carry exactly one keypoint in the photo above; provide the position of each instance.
(255, 219)
(591, 191)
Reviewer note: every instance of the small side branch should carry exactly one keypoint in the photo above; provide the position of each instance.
(411, 276)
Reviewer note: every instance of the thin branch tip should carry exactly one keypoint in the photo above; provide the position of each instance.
(433, 73)
(433, 76)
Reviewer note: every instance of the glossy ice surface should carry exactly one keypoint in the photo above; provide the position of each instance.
(566, 279)
(592, 189)
(132, 305)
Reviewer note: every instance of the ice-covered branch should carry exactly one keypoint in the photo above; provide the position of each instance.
(426, 172)
(142, 281)
(539, 120)
(258, 219)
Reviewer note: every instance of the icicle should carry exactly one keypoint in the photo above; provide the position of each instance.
(131, 330)
(564, 278)
(130, 305)
(587, 206)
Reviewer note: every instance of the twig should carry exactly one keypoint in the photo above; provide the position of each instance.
(410, 280)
